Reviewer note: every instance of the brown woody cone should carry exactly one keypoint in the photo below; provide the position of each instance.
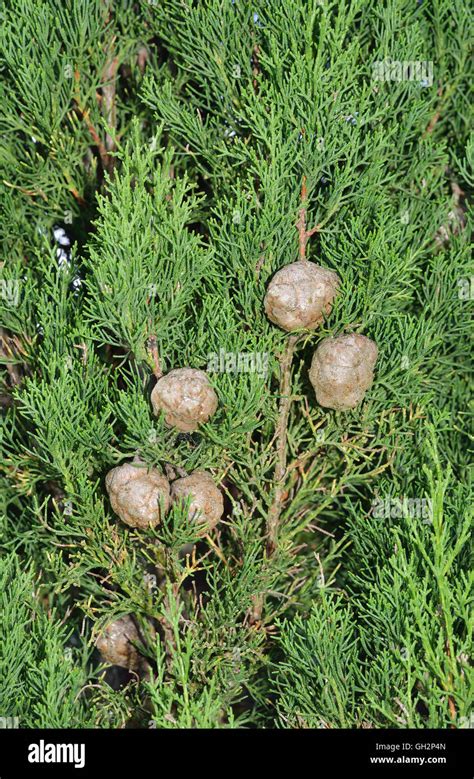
(115, 644)
(300, 295)
(342, 370)
(206, 501)
(187, 398)
(137, 494)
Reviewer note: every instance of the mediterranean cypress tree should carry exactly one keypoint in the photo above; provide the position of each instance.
(161, 161)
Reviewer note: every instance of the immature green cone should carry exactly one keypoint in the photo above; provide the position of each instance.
(342, 370)
(187, 398)
(300, 295)
(115, 643)
(206, 504)
(138, 494)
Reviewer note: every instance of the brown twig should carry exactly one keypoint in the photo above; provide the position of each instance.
(108, 87)
(24, 191)
(437, 115)
(84, 350)
(77, 196)
(303, 233)
(255, 67)
(153, 350)
(108, 100)
(9, 349)
(281, 435)
(274, 512)
(103, 154)
(105, 158)
(142, 58)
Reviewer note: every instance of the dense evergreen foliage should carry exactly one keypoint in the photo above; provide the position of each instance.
(155, 160)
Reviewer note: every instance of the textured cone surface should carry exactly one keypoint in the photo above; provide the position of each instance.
(115, 644)
(206, 501)
(187, 398)
(300, 295)
(342, 370)
(137, 494)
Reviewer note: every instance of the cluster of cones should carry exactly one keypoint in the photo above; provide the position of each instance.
(299, 296)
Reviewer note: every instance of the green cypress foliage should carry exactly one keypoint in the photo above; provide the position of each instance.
(160, 161)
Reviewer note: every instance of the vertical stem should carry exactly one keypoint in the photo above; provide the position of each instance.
(303, 233)
(274, 512)
(281, 435)
(108, 103)
(155, 357)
